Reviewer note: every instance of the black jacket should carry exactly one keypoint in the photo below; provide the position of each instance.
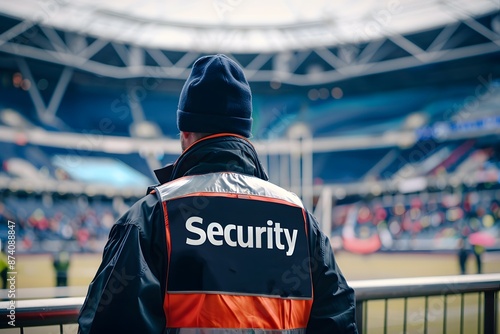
(126, 295)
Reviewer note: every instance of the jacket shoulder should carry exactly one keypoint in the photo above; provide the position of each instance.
(226, 182)
(141, 212)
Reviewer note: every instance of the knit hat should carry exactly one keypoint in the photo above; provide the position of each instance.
(215, 98)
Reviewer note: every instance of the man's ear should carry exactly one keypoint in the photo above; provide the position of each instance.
(187, 139)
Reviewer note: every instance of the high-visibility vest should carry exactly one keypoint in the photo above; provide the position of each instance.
(238, 256)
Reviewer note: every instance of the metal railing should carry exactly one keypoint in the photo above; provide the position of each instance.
(445, 304)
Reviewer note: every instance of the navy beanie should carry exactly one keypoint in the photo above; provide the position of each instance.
(215, 98)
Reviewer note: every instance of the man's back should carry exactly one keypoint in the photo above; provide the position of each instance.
(215, 248)
(234, 242)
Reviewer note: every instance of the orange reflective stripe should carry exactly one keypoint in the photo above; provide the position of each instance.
(243, 196)
(167, 229)
(224, 134)
(238, 331)
(230, 311)
(169, 245)
(304, 214)
(216, 135)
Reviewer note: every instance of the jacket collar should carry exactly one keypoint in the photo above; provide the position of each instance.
(215, 153)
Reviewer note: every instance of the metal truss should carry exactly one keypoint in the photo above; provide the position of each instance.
(301, 65)
(465, 37)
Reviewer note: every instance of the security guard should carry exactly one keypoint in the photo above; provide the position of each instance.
(215, 247)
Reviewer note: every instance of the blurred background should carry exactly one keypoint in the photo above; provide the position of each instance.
(384, 116)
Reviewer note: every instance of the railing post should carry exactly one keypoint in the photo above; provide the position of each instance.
(490, 312)
(359, 316)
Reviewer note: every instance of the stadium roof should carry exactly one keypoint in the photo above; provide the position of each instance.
(278, 42)
(239, 26)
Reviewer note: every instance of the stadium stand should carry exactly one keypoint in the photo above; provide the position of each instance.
(419, 135)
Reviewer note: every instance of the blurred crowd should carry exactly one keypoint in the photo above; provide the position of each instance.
(424, 221)
(79, 221)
